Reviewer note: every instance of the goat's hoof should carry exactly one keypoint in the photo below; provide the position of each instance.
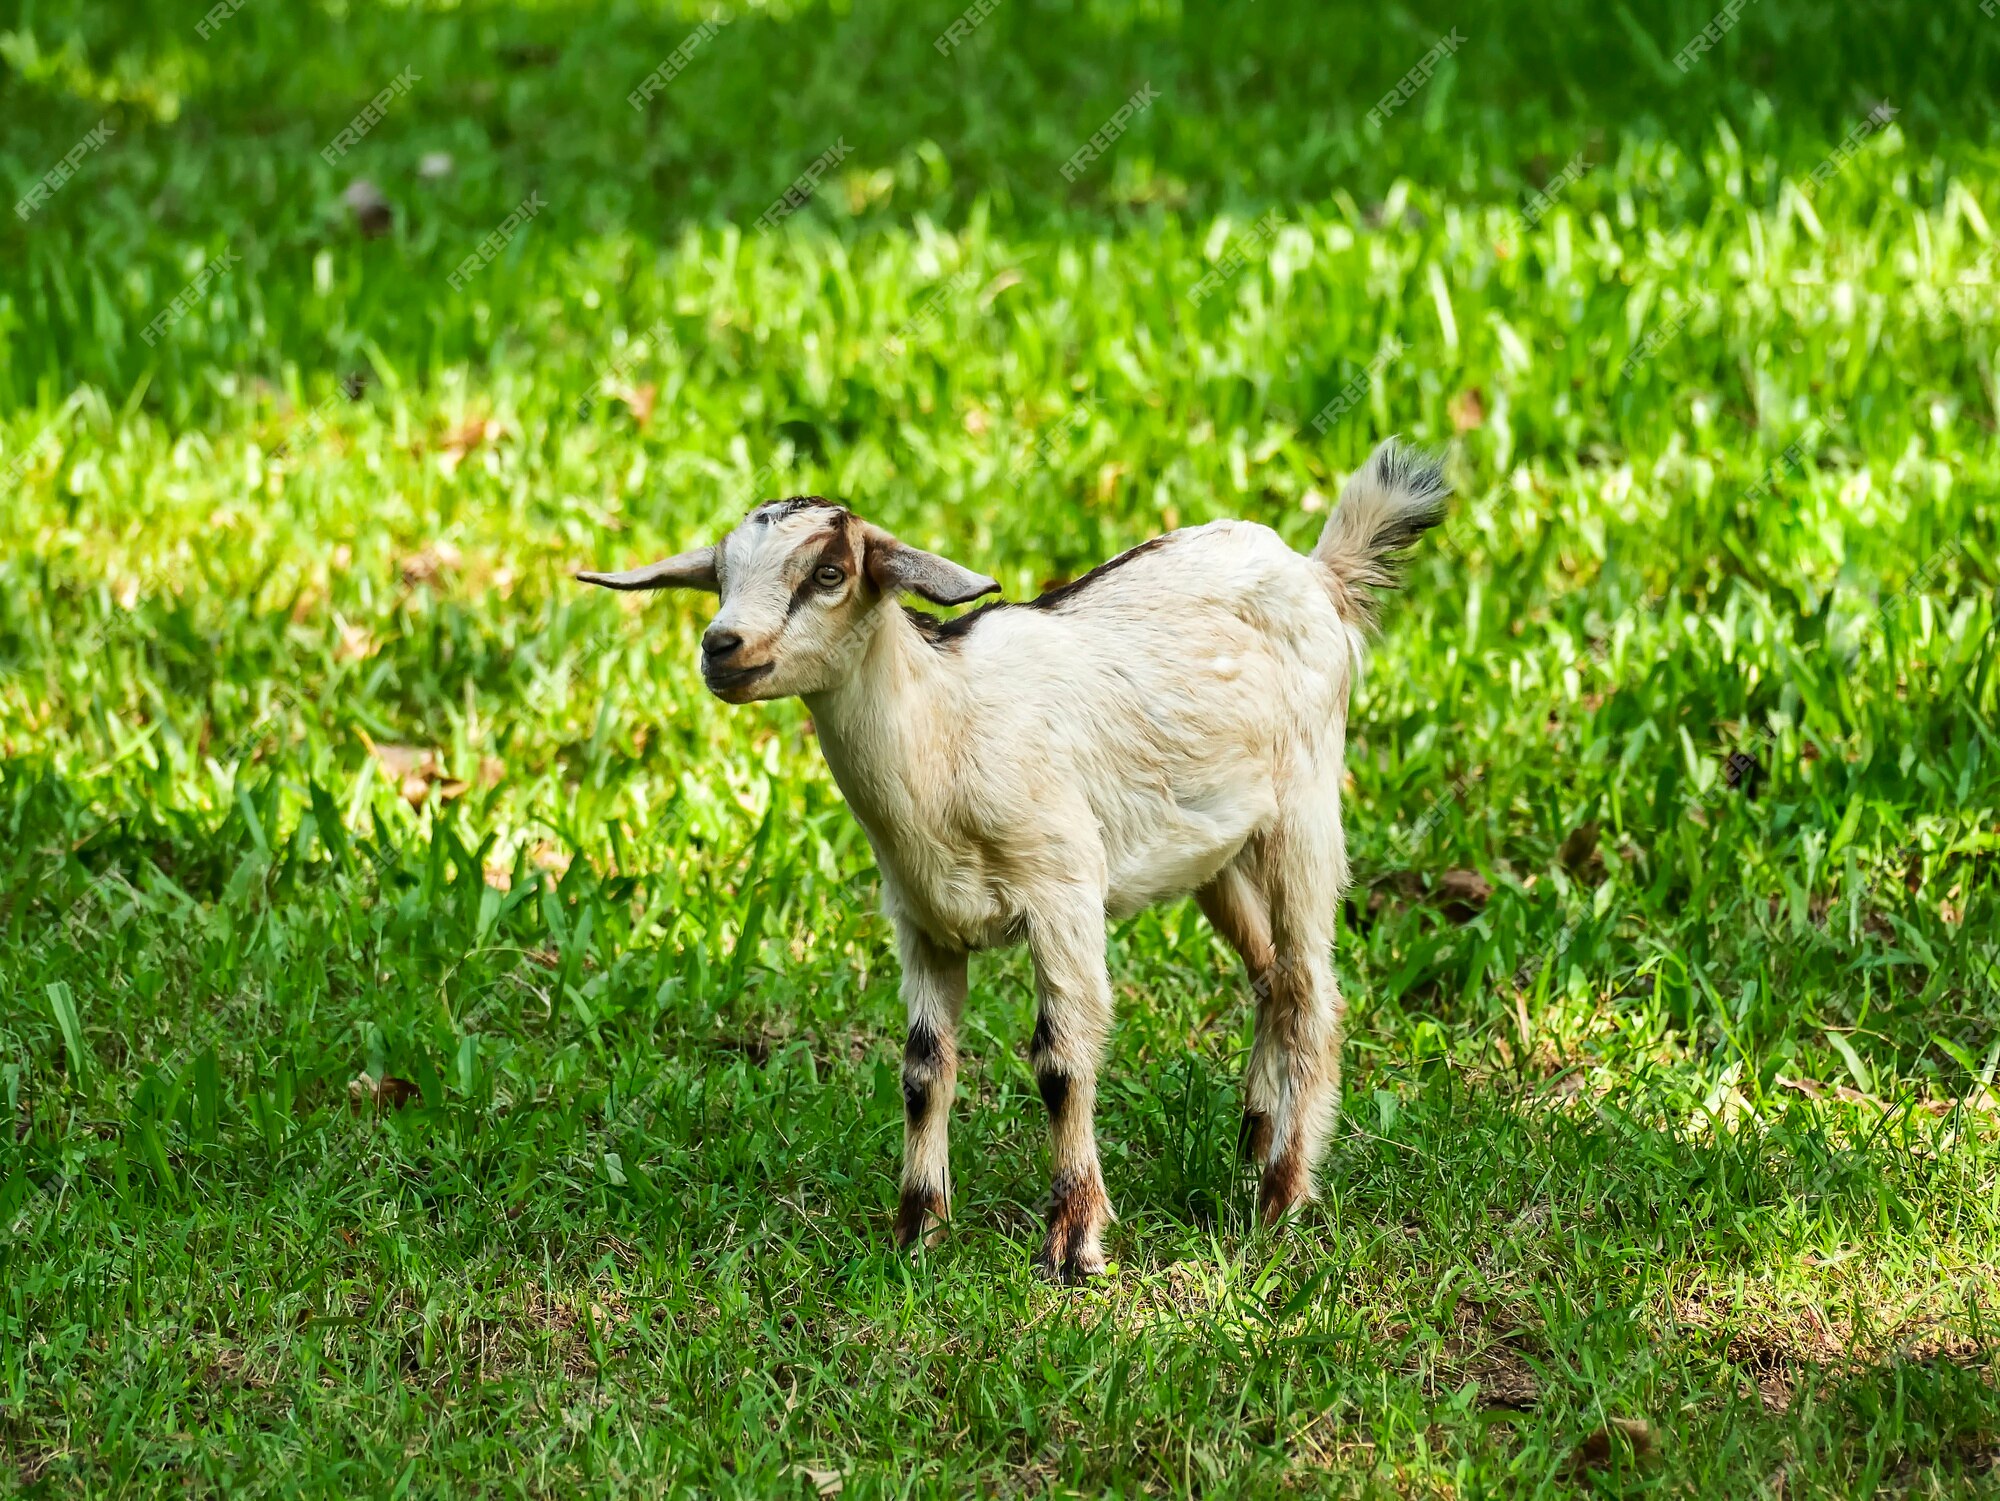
(1078, 1212)
(1284, 1190)
(1275, 1212)
(920, 1219)
(1071, 1266)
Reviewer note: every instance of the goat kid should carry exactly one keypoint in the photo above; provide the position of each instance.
(1174, 721)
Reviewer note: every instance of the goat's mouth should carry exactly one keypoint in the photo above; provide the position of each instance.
(724, 682)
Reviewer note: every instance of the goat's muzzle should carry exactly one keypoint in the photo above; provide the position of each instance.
(731, 684)
(722, 667)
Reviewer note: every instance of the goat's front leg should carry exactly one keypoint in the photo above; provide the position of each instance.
(1072, 1025)
(934, 995)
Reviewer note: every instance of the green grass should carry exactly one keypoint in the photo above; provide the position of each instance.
(1668, 1085)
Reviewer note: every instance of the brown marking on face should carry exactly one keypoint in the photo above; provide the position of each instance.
(836, 551)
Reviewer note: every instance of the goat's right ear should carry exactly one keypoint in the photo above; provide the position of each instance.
(687, 570)
(898, 568)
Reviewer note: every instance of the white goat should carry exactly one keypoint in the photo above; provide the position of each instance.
(1173, 721)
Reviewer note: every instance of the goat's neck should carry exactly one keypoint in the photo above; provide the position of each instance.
(886, 730)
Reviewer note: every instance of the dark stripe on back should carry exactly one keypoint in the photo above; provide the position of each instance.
(944, 634)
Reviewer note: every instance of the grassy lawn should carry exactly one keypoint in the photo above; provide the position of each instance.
(447, 1051)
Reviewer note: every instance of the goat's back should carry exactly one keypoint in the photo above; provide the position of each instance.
(1175, 696)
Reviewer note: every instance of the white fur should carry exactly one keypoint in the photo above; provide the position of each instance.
(1174, 725)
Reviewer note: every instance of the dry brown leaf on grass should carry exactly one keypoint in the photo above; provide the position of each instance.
(385, 1093)
(1847, 1094)
(415, 771)
(639, 400)
(459, 441)
(470, 434)
(400, 761)
(306, 604)
(1467, 410)
(1461, 893)
(428, 563)
(357, 643)
(1580, 848)
(1595, 1451)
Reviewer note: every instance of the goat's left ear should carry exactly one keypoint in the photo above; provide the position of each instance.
(897, 568)
(687, 570)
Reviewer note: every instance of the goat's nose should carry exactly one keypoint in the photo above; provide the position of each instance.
(718, 646)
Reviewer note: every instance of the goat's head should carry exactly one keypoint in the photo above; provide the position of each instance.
(800, 580)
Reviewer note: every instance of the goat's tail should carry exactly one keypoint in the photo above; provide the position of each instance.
(1393, 499)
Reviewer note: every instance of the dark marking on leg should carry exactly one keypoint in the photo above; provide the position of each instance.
(1054, 1085)
(1078, 1209)
(1284, 1186)
(914, 1210)
(921, 1047)
(1044, 1037)
(916, 1098)
(1253, 1139)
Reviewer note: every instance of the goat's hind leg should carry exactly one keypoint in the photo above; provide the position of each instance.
(934, 995)
(1236, 908)
(1303, 866)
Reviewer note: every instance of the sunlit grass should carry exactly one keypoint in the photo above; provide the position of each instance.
(1673, 995)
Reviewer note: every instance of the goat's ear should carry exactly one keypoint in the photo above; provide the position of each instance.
(688, 570)
(897, 568)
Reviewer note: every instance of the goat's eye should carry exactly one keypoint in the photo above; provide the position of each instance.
(830, 577)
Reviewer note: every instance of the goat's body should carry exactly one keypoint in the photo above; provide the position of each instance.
(1135, 736)
(1172, 722)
